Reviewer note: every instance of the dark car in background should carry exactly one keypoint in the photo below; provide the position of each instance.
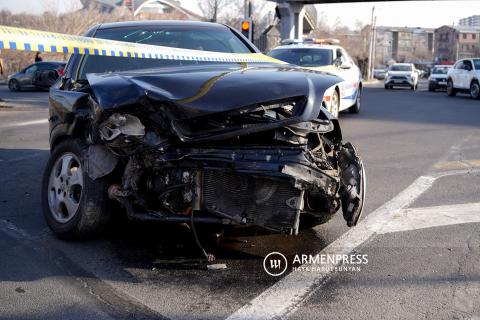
(40, 75)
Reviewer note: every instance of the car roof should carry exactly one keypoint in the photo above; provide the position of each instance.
(309, 46)
(51, 62)
(143, 23)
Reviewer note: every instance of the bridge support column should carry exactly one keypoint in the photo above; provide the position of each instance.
(291, 20)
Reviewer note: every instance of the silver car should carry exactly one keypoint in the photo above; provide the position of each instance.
(36, 76)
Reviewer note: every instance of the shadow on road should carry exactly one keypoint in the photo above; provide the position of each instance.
(131, 244)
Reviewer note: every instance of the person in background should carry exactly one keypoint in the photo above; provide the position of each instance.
(37, 57)
(1, 66)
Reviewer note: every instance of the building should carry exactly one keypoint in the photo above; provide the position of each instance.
(403, 44)
(472, 21)
(456, 42)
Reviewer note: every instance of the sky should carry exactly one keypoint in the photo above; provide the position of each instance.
(430, 14)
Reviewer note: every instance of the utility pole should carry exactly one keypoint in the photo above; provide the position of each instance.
(370, 51)
(374, 47)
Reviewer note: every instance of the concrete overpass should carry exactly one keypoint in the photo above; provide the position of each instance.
(296, 18)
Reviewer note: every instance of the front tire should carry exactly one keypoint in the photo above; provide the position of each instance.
(335, 105)
(74, 206)
(14, 85)
(451, 91)
(475, 90)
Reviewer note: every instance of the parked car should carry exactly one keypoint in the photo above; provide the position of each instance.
(35, 76)
(464, 77)
(401, 75)
(218, 143)
(438, 77)
(325, 55)
(379, 74)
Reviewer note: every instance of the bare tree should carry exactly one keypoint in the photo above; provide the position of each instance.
(211, 9)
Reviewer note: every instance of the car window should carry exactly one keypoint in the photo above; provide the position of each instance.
(220, 39)
(31, 69)
(44, 66)
(467, 65)
(304, 57)
(440, 70)
(459, 65)
(347, 57)
(401, 67)
(340, 55)
(476, 64)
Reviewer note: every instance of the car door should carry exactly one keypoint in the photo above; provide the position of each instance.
(347, 71)
(45, 75)
(468, 74)
(27, 75)
(462, 75)
(455, 74)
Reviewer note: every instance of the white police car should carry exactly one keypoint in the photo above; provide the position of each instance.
(325, 55)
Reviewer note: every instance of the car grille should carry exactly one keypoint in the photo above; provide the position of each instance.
(398, 78)
(255, 200)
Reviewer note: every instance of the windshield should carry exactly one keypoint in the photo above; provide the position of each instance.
(476, 63)
(216, 38)
(304, 57)
(440, 70)
(400, 67)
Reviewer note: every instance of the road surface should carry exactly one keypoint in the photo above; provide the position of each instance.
(421, 233)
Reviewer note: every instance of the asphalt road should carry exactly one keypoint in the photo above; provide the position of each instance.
(420, 150)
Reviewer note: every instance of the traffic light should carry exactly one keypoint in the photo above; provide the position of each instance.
(247, 28)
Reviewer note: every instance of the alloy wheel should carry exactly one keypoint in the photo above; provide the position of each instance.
(65, 187)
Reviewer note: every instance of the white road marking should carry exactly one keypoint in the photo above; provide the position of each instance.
(29, 123)
(420, 218)
(285, 297)
(25, 123)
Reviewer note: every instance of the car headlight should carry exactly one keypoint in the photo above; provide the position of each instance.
(121, 124)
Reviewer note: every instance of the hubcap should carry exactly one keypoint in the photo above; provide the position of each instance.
(65, 187)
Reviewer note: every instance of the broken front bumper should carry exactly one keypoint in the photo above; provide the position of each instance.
(255, 186)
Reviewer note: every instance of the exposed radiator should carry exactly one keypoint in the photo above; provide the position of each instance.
(270, 203)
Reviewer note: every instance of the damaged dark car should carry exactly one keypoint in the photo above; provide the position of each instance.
(194, 141)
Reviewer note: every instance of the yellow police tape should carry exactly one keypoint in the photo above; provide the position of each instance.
(42, 41)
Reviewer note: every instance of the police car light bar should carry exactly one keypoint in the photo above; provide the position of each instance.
(330, 41)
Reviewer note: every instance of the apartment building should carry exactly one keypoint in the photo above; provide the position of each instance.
(403, 44)
(456, 42)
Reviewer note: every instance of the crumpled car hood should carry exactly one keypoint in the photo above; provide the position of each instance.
(200, 90)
